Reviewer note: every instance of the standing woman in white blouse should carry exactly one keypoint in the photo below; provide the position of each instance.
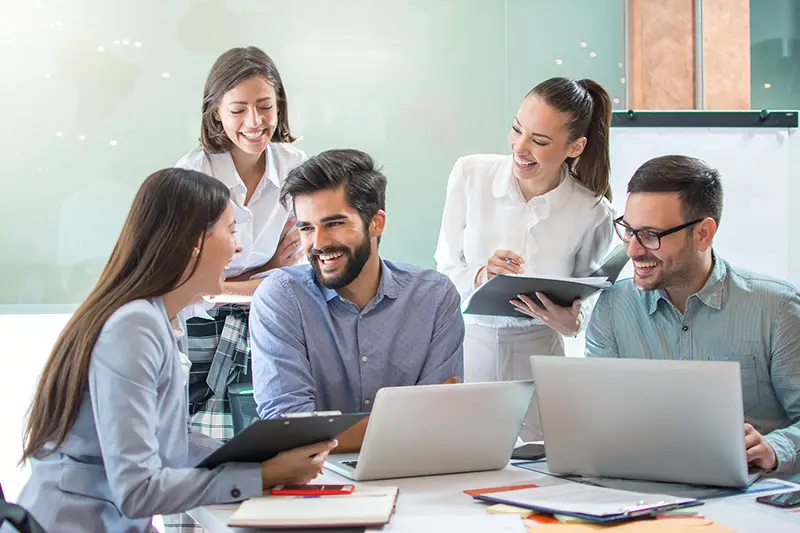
(542, 210)
(245, 142)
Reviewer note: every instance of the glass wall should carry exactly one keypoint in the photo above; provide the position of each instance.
(775, 54)
(98, 94)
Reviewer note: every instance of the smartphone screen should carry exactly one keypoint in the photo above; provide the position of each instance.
(786, 499)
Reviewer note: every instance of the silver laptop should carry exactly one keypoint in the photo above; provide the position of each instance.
(438, 429)
(673, 421)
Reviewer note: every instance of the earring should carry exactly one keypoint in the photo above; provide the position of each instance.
(197, 251)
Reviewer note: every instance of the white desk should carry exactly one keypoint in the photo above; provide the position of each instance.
(443, 496)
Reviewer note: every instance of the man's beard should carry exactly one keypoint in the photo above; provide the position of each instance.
(354, 264)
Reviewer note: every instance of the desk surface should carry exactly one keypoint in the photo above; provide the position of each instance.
(443, 496)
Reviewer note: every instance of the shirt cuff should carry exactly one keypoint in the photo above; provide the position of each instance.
(244, 481)
(785, 452)
(475, 277)
(198, 310)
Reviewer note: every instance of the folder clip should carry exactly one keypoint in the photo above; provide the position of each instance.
(310, 414)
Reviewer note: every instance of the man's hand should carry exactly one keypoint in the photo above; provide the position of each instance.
(759, 450)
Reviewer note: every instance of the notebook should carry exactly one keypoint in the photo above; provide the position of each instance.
(366, 506)
(596, 504)
(493, 297)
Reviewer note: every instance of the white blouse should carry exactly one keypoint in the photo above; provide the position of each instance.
(259, 223)
(565, 232)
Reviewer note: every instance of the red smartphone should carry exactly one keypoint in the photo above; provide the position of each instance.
(312, 490)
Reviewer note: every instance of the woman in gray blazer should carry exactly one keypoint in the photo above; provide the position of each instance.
(108, 435)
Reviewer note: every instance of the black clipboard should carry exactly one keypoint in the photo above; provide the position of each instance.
(493, 297)
(264, 439)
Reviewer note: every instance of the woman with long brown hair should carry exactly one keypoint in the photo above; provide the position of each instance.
(107, 434)
(541, 210)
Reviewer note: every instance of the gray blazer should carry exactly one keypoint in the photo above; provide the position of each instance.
(130, 454)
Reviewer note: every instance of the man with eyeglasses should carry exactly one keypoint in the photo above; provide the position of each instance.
(686, 302)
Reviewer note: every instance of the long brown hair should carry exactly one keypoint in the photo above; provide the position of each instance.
(589, 107)
(171, 212)
(229, 70)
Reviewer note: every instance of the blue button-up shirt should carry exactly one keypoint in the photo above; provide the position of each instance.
(737, 316)
(314, 350)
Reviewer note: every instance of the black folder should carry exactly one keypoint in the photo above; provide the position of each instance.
(493, 297)
(264, 439)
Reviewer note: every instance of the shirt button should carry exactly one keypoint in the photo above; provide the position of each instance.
(364, 359)
(236, 492)
(685, 328)
(366, 402)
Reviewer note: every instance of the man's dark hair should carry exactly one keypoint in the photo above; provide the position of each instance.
(697, 184)
(364, 184)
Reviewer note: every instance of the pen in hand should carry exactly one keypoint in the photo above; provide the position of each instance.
(502, 262)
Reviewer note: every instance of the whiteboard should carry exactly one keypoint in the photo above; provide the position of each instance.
(759, 168)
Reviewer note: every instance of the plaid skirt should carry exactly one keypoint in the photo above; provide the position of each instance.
(220, 353)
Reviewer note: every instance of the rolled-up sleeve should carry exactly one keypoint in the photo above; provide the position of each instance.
(600, 336)
(282, 379)
(785, 372)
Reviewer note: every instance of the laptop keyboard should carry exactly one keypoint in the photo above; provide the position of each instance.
(351, 464)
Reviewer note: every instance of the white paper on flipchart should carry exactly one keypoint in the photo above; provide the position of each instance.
(453, 524)
(756, 167)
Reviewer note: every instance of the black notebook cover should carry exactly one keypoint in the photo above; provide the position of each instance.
(493, 297)
(264, 439)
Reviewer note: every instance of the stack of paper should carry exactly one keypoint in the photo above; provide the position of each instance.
(229, 299)
(592, 503)
(671, 525)
(366, 506)
(453, 524)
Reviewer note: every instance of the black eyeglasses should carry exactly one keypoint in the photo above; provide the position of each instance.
(649, 239)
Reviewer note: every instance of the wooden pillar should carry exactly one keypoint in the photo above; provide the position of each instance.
(726, 54)
(661, 54)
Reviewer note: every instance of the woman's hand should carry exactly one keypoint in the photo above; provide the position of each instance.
(297, 466)
(563, 320)
(502, 262)
(288, 251)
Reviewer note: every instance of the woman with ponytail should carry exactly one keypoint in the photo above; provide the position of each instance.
(543, 210)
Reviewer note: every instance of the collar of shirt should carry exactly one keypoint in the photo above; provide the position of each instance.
(225, 171)
(505, 184)
(388, 287)
(710, 294)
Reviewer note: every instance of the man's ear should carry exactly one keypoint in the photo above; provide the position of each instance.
(378, 224)
(704, 233)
